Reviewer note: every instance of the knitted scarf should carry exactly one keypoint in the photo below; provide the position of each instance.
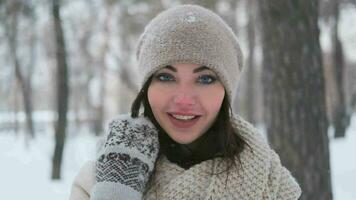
(260, 176)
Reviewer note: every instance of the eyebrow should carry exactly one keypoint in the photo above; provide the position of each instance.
(196, 70)
(199, 69)
(170, 68)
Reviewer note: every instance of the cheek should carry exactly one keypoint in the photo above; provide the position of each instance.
(212, 99)
(155, 98)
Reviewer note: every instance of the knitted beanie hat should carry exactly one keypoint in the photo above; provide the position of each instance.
(191, 34)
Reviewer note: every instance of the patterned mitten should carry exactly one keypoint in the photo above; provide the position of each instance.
(127, 159)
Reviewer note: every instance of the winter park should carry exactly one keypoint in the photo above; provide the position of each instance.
(269, 85)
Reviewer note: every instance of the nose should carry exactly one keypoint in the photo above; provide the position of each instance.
(185, 96)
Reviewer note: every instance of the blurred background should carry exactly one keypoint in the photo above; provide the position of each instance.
(67, 67)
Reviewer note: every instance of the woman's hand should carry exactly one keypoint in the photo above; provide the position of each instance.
(127, 159)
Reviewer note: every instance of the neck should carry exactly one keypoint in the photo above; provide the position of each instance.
(186, 155)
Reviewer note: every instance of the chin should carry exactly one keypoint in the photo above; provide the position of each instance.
(183, 140)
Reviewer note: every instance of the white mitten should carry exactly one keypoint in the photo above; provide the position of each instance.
(127, 159)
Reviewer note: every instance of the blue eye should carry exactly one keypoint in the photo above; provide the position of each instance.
(164, 77)
(206, 79)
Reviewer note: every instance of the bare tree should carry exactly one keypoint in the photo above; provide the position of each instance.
(295, 111)
(62, 91)
(127, 27)
(82, 31)
(101, 68)
(336, 68)
(130, 26)
(251, 90)
(14, 10)
(340, 117)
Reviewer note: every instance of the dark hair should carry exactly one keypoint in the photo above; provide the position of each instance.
(221, 140)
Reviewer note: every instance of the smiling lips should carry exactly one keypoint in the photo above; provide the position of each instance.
(180, 120)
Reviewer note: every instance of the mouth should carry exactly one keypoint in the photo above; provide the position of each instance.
(183, 120)
(184, 117)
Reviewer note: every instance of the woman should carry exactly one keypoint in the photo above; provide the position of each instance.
(186, 144)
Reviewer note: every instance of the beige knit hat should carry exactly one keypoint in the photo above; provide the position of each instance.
(191, 34)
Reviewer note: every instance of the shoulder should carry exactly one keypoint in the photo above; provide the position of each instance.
(259, 158)
(281, 183)
(83, 182)
(256, 142)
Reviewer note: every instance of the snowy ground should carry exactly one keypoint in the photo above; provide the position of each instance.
(343, 164)
(25, 171)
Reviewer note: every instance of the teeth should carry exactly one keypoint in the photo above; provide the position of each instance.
(184, 117)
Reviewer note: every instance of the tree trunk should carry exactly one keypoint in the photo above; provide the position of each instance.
(16, 109)
(26, 95)
(251, 90)
(62, 91)
(102, 68)
(88, 63)
(340, 118)
(125, 47)
(12, 36)
(295, 111)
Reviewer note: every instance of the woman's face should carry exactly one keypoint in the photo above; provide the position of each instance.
(185, 100)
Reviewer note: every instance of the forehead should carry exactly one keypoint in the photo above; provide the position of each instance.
(188, 67)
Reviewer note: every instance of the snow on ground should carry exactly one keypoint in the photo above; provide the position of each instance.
(343, 164)
(25, 168)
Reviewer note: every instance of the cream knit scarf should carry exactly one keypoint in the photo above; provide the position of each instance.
(261, 177)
